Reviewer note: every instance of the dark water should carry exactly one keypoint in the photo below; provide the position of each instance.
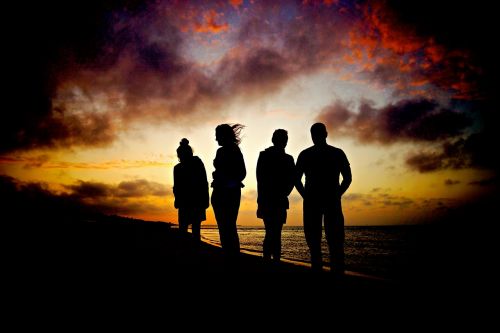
(389, 252)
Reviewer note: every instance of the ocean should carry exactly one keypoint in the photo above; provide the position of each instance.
(386, 252)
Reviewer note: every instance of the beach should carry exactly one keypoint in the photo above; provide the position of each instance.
(115, 258)
(134, 250)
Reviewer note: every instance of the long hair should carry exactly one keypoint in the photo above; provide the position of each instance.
(230, 133)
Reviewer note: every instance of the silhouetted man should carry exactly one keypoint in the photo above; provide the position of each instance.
(322, 164)
(275, 181)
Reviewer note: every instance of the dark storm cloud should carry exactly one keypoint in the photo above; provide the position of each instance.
(379, 199)
(125, 189)
(89, 189)
(61, 129)
(128, 197)
(485, 182)
(427, 162)
(421, 121)
(253, 73)
(48, 39)
(471, 152)
(406, 120)
(141, 187)
(127, 60)
(83, 197)
(122, 56)
(469, 27)
(451, 182)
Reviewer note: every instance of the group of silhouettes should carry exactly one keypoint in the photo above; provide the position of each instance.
(277, 175)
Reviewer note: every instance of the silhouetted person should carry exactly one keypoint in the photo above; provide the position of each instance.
(275, 181)
(227, 183)
(322, 164)
(190, 190)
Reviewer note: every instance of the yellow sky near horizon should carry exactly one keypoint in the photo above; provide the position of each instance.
(384, 191)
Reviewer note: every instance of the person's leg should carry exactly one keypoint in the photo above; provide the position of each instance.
(233, 206)
(196, 236)
(312, 229)
(220, 213)
(195, 230)
(277, 227)
(266, 246)
(225, 203)
(183, 221)
(277, 241)
(335, 236)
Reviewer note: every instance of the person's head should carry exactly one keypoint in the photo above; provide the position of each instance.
(184, 151)
(280, 138)
(319, 133)
(226, 134)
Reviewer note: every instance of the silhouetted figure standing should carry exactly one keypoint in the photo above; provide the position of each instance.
(275, 181)
(322, 165)
(190, 190)
(227, 183)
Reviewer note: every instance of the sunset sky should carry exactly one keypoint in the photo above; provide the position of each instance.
(103, 91)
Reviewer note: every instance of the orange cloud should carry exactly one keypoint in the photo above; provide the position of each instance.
(142, 71)
(236, 3)
(382, 35)
(210, 25)
(43, 162)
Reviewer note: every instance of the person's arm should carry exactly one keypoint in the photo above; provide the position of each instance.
(260, 174)
(217, 162)
(290, 176)
(299, 171)
(175, 189)
(242, 169)
(204, 185)
(345, 171)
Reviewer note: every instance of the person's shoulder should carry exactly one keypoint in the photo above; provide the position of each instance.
(304, 155)
(307, 151)
(336, 150)
(340, 154)
(230, 148)
(268, 150)
(197, 160)
(289, 157)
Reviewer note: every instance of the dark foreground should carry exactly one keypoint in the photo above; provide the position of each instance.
(129, 249)
(123, 257)
(115, 247)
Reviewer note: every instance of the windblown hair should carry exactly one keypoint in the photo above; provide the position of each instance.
(230, 133)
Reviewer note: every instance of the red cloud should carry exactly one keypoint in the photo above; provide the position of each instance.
(136, 67)
(393, 53)
(210, 24)
(236, 3)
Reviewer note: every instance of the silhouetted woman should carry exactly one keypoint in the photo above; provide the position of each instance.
(275, 181)
(190, 190)
(227, 183)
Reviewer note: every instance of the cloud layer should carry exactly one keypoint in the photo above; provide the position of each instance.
(406, 120)
(117, 64)
(126, 198)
